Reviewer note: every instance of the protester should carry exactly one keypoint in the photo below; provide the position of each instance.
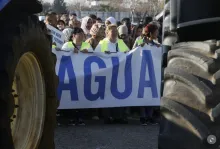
(51, 19)
(74, 23)
(72, 16)
(123, 34)
(76, 42)
(98, 20)
(58, 17)
(137, 31)
(86, 26)
(142, 39)
(127, 22)
(111, 44)
(110, 20)
(65, 18)
(89, 36)
(67, 34)
(94, 18)
(159, 38)
(98, 33)
(152, 34)
(147, 112)
(61, 25)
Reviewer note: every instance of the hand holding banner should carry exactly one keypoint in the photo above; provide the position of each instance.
(122, 79)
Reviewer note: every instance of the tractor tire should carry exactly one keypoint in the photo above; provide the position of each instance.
(28, 84)
(190, 106)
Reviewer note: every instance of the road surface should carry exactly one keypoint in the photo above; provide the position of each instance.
(100, 136)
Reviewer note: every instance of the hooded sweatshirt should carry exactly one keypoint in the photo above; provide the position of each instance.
(83, 26)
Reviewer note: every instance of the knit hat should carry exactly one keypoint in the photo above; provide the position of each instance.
(67, 33)
(122, 29)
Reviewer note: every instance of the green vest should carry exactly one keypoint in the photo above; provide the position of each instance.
(85, 45)
(53, 46)
(140, 41)
(121, 45)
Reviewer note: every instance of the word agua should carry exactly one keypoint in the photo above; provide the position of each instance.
(66, 66)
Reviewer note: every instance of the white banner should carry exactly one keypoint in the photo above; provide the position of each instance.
(98, 80)
(58, 36)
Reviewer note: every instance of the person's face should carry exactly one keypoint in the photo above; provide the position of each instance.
(65, 18)
(79, 37)
(128, 24)
(60, 25)
(107, 23)
(138, 32)
(101, 33)
(93, 21)
(51, 20)
(72, 17)
(144, 32)
(89, 24)
(58, 17)
(78, 24)
(154, 35)
(113, 34)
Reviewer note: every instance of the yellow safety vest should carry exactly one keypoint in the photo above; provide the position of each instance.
(121, 45)
(85, 45)
(140, 41)
(53, 46)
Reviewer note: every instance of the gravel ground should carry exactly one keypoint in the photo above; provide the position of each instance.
(99, 136)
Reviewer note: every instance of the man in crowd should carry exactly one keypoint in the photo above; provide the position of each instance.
(94, 18)
(127, 22)
(51, 19)
(72, 16)
(65, 18)
(111, 44)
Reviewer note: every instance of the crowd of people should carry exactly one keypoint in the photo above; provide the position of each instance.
(110, 36)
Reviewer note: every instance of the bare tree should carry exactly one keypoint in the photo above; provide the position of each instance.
(74, 5)
(117, 5)
(140, 9)
(46, 7)
(59, 6)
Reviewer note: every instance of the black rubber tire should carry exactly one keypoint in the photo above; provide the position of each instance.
(190, 106)
(17, 38)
